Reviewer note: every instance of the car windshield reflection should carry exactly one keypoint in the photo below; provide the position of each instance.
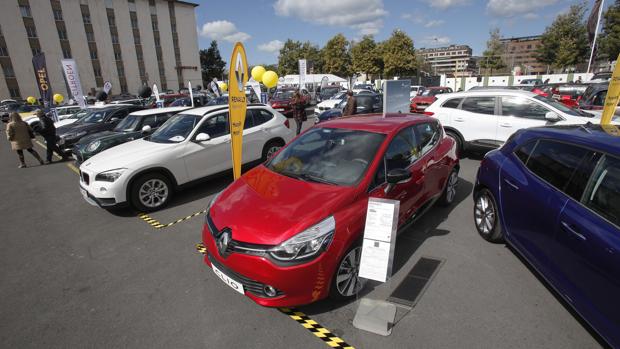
(176, 129)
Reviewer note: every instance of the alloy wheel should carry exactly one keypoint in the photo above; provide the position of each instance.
(484, 214)
(153, 193)
(348, 282)
(451, 186)
(272, 150)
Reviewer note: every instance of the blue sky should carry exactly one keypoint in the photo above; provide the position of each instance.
(263, 25)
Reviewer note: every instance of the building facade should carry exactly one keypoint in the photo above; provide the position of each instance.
(451, 60)
(521, 53)
(127, 42)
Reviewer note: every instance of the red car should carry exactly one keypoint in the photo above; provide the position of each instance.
(420, 102)
(281, 100)
(288, 232)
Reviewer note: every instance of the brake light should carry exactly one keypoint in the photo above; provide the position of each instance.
(287, 124)
(429, 113)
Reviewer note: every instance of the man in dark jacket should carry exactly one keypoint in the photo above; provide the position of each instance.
(351, 107)
(48, 132)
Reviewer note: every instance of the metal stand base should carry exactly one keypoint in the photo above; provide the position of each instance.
(375, 316)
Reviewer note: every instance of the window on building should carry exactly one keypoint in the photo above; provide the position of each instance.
(114, 39)
(157, 42)
(35, 50)
(31, 31)
(93, 54)
(118, 56)
(121, 71)
(132, 5)
(8, 71)
(141, 71)
(62, 34)
(58, 15)
(174, 27)
(155, 26)
(97, 72)
(3, 51)
(136, 39)
(112, 21)
(90, 36)
(25, 11)
(86, 18)
(139, 55)
(109, 4)
(134, 22)
(14, 92)
(66, 52)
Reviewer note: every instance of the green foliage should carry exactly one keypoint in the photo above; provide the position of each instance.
(336, 57)
(565, 42)
(492, 56)
(211, 63)
(609, 42)
(366, 57)
(398, 55)
(293, 51)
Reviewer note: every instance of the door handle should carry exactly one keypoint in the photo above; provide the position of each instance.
(505, 124)
(514, 186)
(459, 119)
(571, 230)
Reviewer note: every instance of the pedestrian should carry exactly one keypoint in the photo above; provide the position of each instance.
(299, 110)
(351, 107)
(579, 81)
(20, 135)
(48, 132)
(546, 81)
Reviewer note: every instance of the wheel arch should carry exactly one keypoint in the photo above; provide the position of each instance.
(160, 170)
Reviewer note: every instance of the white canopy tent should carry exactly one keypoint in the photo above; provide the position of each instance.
(313, 79)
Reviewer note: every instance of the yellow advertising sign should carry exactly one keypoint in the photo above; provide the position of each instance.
(237, 104)
(613, 93)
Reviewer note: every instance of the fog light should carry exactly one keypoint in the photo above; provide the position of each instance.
(269, 291)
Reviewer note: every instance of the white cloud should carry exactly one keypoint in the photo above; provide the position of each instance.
(510, 8)
(435, 40)
(531, 16)
(421, 20)
(434, 23)
(444, 4)
(366, 16)
(272, 46)
(223, 30)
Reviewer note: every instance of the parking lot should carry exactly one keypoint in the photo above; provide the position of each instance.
(74, 275)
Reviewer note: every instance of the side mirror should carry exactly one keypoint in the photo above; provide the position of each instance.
(552, 116)
(113, 120)
(398, 175)
(201, 137)
(146, 129)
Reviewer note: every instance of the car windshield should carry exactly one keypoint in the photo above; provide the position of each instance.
(95, 116)
(80, 114)
(432, 92)
(128, 124)
(339, 95)
(329, 92)
(328, 155)
(283, 94)
(218, 101)
(176, 129)
(181, 102)
(561, 107)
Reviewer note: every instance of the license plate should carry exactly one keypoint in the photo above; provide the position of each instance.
(279, 109)
(421, 107)
(228, 281)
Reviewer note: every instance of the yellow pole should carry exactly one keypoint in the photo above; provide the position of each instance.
(613, 93)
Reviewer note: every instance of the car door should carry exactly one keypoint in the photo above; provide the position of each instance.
(253, 136)
(213, 155)
(477, 120)
(588, 247)
(536, 181)
(267, 130)
(519, 112)
(434, 166)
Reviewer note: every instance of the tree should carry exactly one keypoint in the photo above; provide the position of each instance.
(398, 55)
(211, 63)
(293, 51)
(565, 42)
(492, 56)
(609, 42)
(336, 56)
(365, 57)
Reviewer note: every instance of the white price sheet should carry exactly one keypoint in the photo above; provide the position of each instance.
(379, 239)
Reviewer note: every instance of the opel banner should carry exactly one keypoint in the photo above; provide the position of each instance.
(43, 81)
(237, 104)
(73, 80)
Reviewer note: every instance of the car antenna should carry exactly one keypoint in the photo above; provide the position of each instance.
(586, 126)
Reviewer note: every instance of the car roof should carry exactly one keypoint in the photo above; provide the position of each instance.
(155, 111)
(589, 135)
(487, 92)
(211, 108)
(375, 122)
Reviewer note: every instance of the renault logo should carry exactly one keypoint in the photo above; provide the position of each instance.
(239, 71)
(223, 240)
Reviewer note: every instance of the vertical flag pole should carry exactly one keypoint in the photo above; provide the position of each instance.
(598, 23)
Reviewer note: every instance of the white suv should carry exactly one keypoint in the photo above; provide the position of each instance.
(486, 118)
(189, 146)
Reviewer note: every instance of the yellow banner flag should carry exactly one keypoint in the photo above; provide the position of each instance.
(613, 93)
(237, 104)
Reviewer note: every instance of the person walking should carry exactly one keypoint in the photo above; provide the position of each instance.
(351, 107)
(579, 81)
(299, 110)
(48, 132)
(20, 135)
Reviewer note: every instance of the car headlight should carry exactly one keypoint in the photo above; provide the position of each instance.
(213, 201)
(308, 243)
(109, 176)
(93, 146)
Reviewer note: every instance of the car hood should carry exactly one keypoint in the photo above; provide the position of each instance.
(76, 128)
(98, 135)
(329, 103)
(64, 122)
(264, 207)
(126, 155)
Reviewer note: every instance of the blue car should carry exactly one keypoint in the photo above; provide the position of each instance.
(553, 194)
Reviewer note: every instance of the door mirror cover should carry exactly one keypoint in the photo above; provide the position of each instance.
(398, 175)
(146, 129)
(202, 137)
(552, 116)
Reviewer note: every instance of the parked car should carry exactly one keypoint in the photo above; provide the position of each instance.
(190, 146)
(69, 119)
(593, 100)
(601, 77)
(553, 194)
(366, 104)
(486, 119)
(420, 102)
(304, 210)
(357, 88)
(221, 100)
(199, 101)
(531, 82)
(165, 98)
(100, 119)
(136, 125)
(330, 103)
(281, 100)
(567, 94)
(62, 112)
(416, 90)
(328, 92)
(25, 110)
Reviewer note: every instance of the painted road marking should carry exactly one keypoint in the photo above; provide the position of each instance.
(158, 225)
(70, 166)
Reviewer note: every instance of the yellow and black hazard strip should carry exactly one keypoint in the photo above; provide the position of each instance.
(158, 225)
(200, 248)
(324, 334)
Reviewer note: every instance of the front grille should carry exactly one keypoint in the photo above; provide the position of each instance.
(235, 246)
(249, 285)
(85, 177)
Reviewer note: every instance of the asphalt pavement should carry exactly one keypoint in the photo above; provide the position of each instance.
(74, 275)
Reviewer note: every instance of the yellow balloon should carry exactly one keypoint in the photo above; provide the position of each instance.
(257, 73)
(58, 98)
(223, 86)
(270, 79)
(31, 100)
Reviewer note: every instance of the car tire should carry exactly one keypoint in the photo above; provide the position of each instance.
(449, 190)
(457, 141)
(271, 148)
(486, 216)
(151, 192)
(343, 287)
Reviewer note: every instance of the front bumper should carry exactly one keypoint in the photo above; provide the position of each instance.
(297, 284)
(101, 193)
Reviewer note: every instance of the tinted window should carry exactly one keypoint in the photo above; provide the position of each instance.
(522, 107)
(599, 99)
(603, 193)
(427, 135)
(479, 105)
(452, 103)
(403, 150)
(523, 152)
(150, 120)
(215, 126)
(249, 119)
(261, 117)
(176, 129)
(557, 163)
